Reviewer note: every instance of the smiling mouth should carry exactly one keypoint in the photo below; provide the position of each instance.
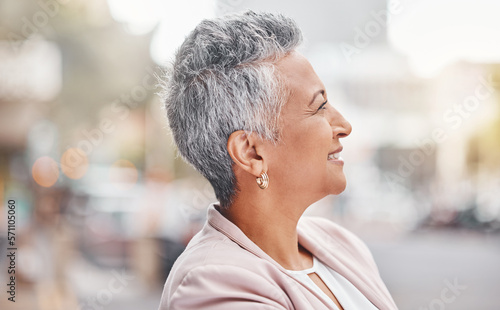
(334, 156)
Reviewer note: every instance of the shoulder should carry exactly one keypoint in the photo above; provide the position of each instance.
(212, 269)
(223, 287)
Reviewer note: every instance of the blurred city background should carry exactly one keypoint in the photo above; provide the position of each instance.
(104, 205)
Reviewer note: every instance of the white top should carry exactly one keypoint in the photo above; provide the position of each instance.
(346, 293)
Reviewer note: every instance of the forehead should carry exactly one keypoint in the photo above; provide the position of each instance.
(299, 76)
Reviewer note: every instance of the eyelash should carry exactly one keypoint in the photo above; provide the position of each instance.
(322, 106)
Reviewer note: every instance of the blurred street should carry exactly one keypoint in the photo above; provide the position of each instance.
(417, 267)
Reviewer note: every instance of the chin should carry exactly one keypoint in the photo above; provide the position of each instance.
(338, 190)
(339, 187)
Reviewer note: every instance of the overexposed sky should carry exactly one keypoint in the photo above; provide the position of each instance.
(174, 20)
(433, 33)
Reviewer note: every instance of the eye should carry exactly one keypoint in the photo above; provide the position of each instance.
(322, 106)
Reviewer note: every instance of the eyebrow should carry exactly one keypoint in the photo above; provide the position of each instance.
(319, 92)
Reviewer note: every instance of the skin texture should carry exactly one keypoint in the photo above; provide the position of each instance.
(298, 167)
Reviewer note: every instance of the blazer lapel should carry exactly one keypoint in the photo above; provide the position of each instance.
(330, 252)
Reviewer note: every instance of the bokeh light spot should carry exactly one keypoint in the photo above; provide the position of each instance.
(74, 163)
(45, 171)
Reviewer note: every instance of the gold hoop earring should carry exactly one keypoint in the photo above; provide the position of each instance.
(263, 180)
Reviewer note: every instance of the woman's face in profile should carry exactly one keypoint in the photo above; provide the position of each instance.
(306, 161)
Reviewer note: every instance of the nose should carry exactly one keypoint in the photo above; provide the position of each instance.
(341, 128)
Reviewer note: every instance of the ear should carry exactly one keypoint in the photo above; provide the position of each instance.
(246, 150)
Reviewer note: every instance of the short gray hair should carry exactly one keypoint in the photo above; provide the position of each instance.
(223, 79)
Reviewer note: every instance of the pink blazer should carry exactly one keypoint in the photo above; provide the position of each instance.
(222, 269)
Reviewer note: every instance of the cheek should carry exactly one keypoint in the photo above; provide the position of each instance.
(304, 142)
(309, 146)
(318, 140)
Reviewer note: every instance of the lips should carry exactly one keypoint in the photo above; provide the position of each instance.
(335, 155)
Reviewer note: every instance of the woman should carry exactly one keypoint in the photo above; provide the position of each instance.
(251, 115)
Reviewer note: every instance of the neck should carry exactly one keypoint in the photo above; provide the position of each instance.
(271, 225)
